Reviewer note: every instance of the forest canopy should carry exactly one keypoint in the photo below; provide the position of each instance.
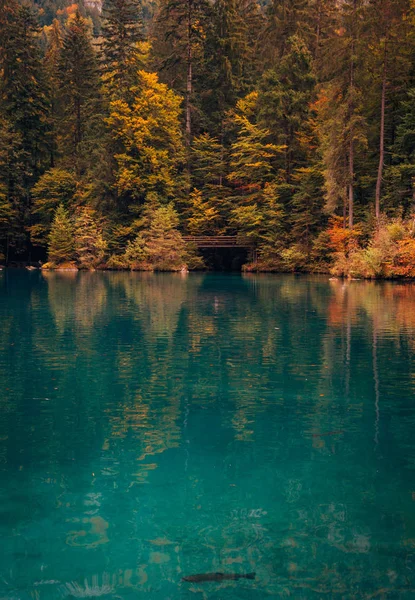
(127, 126)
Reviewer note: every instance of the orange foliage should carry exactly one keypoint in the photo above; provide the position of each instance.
(404, 263)
(68, 10)
(341, 239)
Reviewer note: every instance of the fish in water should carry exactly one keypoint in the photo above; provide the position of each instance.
(217, 577)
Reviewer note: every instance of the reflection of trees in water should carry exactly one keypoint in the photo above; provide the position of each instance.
(75, 299)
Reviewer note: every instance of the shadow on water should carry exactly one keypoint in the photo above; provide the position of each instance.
(159, 426)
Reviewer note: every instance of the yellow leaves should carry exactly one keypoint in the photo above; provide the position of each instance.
(248, 105)
(151, 134)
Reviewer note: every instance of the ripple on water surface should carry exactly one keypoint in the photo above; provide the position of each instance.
(158, 426)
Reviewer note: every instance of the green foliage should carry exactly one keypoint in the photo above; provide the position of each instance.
(79, 90)
(122, 32)
(263, 120)
(90, 246)
(159, 246)
(204, 218)
(61, 248)
(54, 188)
(22, 82)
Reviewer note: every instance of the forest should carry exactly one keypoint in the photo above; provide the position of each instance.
(290, 124)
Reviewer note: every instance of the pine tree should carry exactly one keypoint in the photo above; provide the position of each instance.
(54, 188)
(90, 246)
(178, 41)
(285, 18)
(284, 101)
(13, 189)
(79, 91)
(54, 40)
(22, 83)
(343, 127)
(61, 247)
(122, 31)
(209, 178)
(389, 25)
(253, 155)
(23, 109)
(231, 58)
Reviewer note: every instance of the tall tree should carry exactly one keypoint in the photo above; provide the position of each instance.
(344, 58)
(149, 133)
(284, 100)
(178, 38)
(22, 85)
(122, 31)
(231, 64)
(54, 37)
(24, 106)
(388, 21)
(79, 91)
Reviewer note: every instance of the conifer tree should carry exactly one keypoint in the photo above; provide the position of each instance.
(79, 91)
(209, 178)
(61, 247)
(24, 110)
(178, 39)
(285, 18)
(284, 99)
(122, 31)
(231, 57)
(54, 40)
(22, 83)
(345, 128)
(54, 188)
(90, 246)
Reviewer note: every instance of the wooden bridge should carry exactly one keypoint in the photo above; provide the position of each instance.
(219, 241)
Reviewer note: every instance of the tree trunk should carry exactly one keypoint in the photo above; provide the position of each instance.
(351, 110)
(382, 138)
(351, 177)
(189, 76)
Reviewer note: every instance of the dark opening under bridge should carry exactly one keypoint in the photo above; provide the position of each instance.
(219, 241)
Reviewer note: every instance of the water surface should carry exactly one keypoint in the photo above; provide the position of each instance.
(157, 426)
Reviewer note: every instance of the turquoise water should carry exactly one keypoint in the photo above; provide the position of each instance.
(158, 426)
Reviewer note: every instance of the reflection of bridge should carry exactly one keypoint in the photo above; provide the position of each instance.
(219, 241)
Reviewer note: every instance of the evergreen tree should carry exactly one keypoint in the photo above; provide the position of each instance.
(61, 247)
(344, 126)
(285, 18)
(209, 173)
(23, 110)
(22, 83)
(13, 189)
(122, 31)
(90, 246)
(178, 40)
(54, 41)
(54, 188)
(284, 103)
(231, 58)
(79, 91)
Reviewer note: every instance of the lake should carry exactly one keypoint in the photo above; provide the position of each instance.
(155, 426)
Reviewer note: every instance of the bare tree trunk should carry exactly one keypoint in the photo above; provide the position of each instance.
(382, 137)
(351, 109)
(351, 177)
